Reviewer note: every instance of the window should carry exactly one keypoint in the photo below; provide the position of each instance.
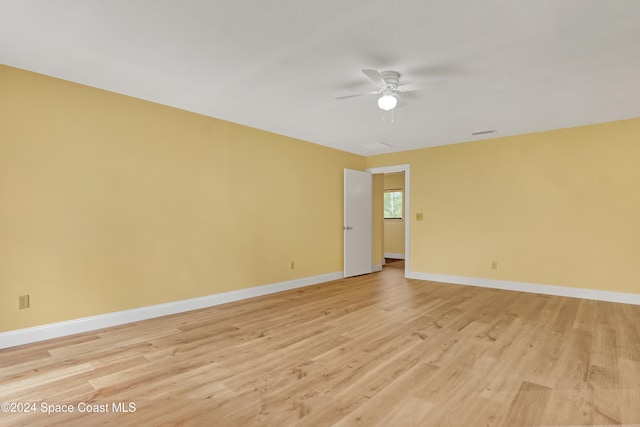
(393, 204)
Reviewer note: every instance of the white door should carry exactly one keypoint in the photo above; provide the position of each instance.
(357, 222)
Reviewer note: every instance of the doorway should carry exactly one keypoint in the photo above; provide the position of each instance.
(393, 216)
(407, 204)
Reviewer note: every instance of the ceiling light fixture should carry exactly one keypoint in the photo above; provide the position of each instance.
(387, 101)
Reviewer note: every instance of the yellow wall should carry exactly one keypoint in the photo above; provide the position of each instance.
(394, 228)
(109, 203)
(394, 181)
(559, 207)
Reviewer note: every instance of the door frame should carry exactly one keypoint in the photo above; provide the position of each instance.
(407, 205)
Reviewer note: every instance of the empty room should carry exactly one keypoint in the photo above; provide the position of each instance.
(320, 213)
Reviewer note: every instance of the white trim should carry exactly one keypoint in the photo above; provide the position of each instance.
(376, 268)
(406, 168)
(393, 256)
(85, 324)
(593, 294)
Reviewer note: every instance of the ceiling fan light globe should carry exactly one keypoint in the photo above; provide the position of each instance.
(387, 102)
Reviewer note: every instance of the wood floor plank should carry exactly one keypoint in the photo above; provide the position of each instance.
(529, 405)
(389, 403)
(370, 350)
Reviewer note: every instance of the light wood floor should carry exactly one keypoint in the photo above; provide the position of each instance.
(371, 350)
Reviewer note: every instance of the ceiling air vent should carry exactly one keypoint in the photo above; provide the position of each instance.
(376, 145)
(483, 132)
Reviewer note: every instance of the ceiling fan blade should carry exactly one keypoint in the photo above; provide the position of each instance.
(423, 86)
(373, 92)
(375, 77)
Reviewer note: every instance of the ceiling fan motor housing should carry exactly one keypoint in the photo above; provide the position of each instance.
(392, 78)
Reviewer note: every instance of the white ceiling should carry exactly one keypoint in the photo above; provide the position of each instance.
(516, 66)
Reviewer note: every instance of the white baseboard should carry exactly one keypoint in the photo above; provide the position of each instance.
(376, 268)
(393, 256)
(86, 324)
(593, 294)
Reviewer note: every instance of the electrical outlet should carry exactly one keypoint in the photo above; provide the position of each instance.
(292, 266)
(494, 265)
(23, 301)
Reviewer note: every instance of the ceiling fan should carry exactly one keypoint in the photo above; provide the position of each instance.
(389, 87)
